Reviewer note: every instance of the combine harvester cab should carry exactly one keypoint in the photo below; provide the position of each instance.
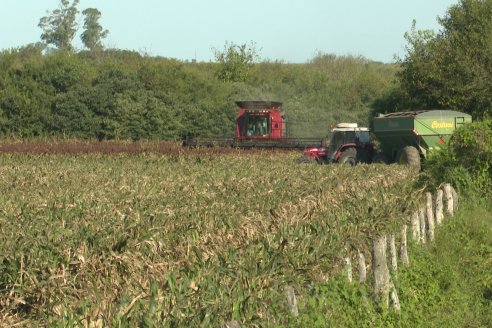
(259, 124)
(349, 144)
(263, 124)
(408, 137)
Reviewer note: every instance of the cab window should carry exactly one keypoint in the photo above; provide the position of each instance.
(258, 126)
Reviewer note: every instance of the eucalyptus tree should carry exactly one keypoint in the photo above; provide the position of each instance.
(93, 31)
(60, 26)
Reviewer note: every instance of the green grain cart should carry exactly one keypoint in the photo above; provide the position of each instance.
(407, 137)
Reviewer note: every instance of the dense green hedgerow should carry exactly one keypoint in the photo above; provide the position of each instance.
(123, 95)
(467, 161)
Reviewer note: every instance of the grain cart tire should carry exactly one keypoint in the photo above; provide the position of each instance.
(380, 158)
(349, 156)
(306, 160)
(409, 155)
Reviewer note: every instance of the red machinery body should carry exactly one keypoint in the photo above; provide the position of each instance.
(259, 124)
(349, 144)
(260, 120)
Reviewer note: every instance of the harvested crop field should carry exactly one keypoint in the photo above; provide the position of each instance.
(182, 239)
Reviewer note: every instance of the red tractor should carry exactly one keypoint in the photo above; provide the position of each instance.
(349, 144)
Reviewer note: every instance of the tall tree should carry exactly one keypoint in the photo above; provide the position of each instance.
(93, 31)
(453, 68)
(60, 26)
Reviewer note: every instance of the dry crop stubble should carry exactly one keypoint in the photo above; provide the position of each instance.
(180, 240)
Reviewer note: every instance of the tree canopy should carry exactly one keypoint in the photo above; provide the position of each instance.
(93, 31)
(60, 26)
(452, 68)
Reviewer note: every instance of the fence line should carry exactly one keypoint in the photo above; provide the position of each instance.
(423, 223)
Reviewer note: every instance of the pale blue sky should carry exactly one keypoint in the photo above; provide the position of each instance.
(288, 30)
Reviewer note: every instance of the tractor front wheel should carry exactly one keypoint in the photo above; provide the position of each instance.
(409, 155)
(348, 156)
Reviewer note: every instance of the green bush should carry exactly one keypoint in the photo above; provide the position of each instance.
(124, 95)
(467, 161)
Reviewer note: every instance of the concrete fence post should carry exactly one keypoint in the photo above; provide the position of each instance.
(422, 225)
(448, 196)
(403, 247)
(439, 206)
(416, 226)
(362, 267)
(348, 268)
(430, 215)
(394, 261)
(290, 296)
(381, 272)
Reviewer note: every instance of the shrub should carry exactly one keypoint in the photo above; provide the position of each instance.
(467, 161)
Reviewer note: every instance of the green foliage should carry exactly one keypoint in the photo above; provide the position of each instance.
(110, 238)
(235, 61)
(467, 161)
(449, 284)
(93, 31)
(60, 26)
(121, 94)
(106, 241)
(451, 69)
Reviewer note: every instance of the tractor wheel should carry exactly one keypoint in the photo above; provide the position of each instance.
(409, 155)
(380, 158)
(306, 160)
(349, 156)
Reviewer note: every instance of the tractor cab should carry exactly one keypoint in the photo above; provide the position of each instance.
(346, 135)
(349, 143)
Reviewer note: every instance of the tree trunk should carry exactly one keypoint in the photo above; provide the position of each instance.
(381, 272)
(430, 215)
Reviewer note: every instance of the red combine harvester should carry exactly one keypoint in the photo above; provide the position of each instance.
(349, 144)
(259, 124)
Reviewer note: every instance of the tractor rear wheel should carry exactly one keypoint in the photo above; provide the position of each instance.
(349, 156)
(409, 155)
(306, 160)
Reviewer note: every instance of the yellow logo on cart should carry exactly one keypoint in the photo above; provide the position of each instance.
(442, 125)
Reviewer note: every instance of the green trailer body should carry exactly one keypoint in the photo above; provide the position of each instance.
(425, 130)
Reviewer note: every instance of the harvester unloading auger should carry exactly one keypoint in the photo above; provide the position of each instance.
(259, 124)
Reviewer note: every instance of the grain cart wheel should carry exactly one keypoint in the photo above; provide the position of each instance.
(409, 155)
(349, 156)
(306, 160)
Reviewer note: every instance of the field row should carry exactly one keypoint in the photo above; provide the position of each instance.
(182, 240)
